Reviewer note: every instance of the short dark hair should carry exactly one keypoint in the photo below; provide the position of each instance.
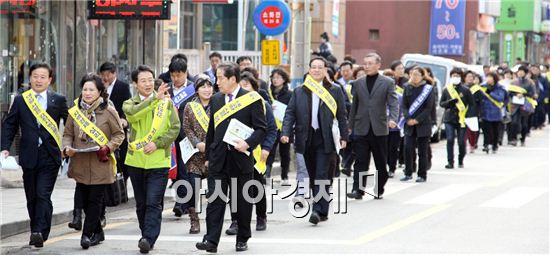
(507, 70)
(37, 65)
(94, 78)
(139, 69)
(494, 75)
(107, 66)
(230, 69)
(523, 68)
(282, 73)
(202, 80)
(215, 54)
(318, 58)
(395, 64)
(179, 56)
(458, 71)
(357, 70)
(486, 66)
(470, 72)
(253, 71)
(247, 76)
(346, 63)
(243, 58)
(178, 65)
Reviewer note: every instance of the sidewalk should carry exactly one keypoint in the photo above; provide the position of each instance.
(14, 215)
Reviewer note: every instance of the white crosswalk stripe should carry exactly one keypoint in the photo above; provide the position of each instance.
(515, 198)
(444, 194)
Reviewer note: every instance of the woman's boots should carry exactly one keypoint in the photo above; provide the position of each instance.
(195, 223)
(77, 220)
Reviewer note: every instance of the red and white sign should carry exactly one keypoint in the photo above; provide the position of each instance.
(272, 17)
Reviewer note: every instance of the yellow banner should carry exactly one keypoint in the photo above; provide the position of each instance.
(160, 115)
(42, 116)
(322, 93)
(200, 115)
(91, 130)
(495, 102)
(399, 90)
(518, 89)
(235, 106)
(475, 88)
(459, 105)
(278, 122)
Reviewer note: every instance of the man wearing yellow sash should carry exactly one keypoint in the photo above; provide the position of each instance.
(310, 117)
(37, 112)
(522, 104)
(92, 122)
(227, 162)
(154, 126)
(456, 99)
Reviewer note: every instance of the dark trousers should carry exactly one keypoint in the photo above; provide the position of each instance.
(215, 210)
(79, 200)
(121, 158)
(452, 131)
(411, 144)
(284, 153)
(92, 203)
(547, 106)
(401, 151)
(394, 138)
(471, 137)
(318, 164)
(363, 147)
(182, 174)
(149, 186)
(261, 203)
(38, 183)
(539, 117)
(490, 133)
(519, 125)
(348, 156)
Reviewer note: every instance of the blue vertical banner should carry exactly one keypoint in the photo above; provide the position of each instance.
(447, 27)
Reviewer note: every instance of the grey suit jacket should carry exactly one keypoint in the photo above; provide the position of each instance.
(297, 120)
(369, 109)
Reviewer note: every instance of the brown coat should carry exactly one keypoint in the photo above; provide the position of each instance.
(85, 167)
(196, 134)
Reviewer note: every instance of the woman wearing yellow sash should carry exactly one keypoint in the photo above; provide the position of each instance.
(456, 98)
(492, 108)
(195, 125)
(93, 171)
(520, 91)
(154, 126)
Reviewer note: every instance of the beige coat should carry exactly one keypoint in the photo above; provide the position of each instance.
(85, 167)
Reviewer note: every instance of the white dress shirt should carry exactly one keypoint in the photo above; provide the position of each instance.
(234, 94)
(110, 88)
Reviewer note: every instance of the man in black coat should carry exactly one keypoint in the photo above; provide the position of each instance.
(227, 162)
(311, 120)
(40, 155)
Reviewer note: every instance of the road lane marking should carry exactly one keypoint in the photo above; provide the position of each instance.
(400, 224)
(515, 198)
(476, 173)
(444, 195)
(514, 176)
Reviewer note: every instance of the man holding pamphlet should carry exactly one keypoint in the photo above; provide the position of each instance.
(231, 161)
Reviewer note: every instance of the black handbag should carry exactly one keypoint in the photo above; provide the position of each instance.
(116, 193)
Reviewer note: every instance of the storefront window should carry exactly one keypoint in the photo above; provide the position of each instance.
(219, 25)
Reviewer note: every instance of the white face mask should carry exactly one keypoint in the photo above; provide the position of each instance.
(455, 80)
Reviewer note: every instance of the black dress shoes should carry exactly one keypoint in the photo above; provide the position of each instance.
(346, 171)
(314, 218)
(37, 240)
(85, 242)
(144, 245)
(241, 246)
(207, 246)
(355, 195)
(76, 223)
(233, 229)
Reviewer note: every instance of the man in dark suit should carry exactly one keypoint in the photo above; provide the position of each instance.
(40, 155)
(179, 83)
(311, 120)
(369, 122)
(227, 162)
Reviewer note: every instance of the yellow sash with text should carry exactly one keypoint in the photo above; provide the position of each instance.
(160, 115)
(235, 106)
(91, 130)
(42, 116)
(322, 93)
(518, 89)
(200, 115)
(278, 122)
(459, 105)
(495, 102)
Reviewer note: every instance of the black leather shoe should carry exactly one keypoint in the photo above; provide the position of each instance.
(144, 245)
(460, 165)
(233, 229)
(76, 223)
(420, 179)
(449, 166)
(261, 224)
(406, 178)
(355, 195)
(178, 212)
(207, 246)
(314, 218)
(379, 197)
(241, 246)
(85, 242)
(391, 174)
(323, 218)
(346, 172)
(37, 240)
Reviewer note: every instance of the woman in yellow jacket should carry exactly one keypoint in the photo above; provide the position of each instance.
(92, 171)
(154, 126)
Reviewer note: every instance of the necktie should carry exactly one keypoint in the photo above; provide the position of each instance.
(40, 100)
(314, 111)
(230, 97)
